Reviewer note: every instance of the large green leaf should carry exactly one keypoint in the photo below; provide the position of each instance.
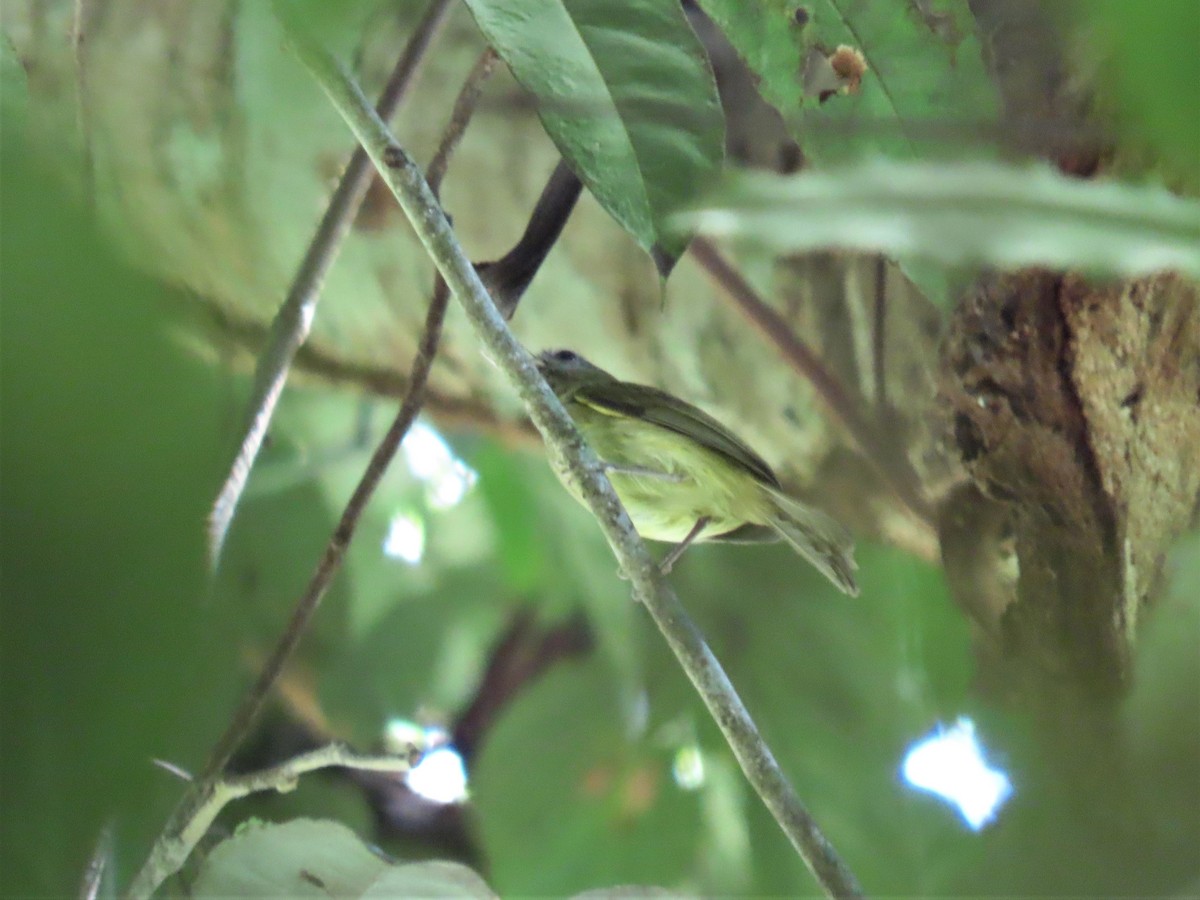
(987, 213)
(319, 858)
(109, 656)
(625, 91)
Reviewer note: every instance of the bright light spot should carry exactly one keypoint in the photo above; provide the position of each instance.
(430, 459)
(425, 451)
(405, 538)
(451, 486)
(440, 776)
(689, 768)
(949, 763)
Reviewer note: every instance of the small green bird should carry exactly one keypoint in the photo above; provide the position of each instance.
(684, 477)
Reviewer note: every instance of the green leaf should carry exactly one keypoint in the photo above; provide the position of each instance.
(925, 66)
(1155, 74)
(625, 92)
(109, 654)
(318, 858)
(14, 87)
(567, 801)
(986, 213)
(769, 40)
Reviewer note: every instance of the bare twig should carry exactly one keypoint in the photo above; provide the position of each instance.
(187, 822)
(579, 462)
(879, 335)
(891, 466)
(460, 115)
(335, 550)
(172, 849)
(177, 836)
(294, 319)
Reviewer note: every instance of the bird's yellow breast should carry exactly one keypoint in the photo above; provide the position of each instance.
(695, 481)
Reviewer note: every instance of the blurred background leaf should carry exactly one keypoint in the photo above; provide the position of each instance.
(111, 654)
(1153, 76)
(986, 214)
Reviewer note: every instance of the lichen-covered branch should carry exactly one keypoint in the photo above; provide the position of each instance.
(569, 451)
(173, 848)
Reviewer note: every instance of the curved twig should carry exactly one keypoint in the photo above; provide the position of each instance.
(171, 850)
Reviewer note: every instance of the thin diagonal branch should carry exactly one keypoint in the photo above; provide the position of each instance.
(293, 321)
(460, 115)
(579, 462)
(165, 859)
(339, 541)
(890, 465)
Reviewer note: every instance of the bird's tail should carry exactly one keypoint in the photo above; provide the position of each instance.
(816, 537)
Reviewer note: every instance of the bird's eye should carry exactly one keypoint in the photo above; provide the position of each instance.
(564, 356)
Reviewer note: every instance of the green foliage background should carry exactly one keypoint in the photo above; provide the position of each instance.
(116, 647)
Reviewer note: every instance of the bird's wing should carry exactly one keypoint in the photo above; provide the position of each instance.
(667, 411)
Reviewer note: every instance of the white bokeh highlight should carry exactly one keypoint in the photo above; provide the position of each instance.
(405, 538)
(447, 478)
(440, 776)
(949, 763)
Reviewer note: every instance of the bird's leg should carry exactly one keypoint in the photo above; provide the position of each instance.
(672, 557)
(614, 469)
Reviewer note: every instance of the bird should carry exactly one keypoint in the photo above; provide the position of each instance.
(683, 477)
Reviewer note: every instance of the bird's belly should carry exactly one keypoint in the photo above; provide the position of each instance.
(689, 482)
(667, 511)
